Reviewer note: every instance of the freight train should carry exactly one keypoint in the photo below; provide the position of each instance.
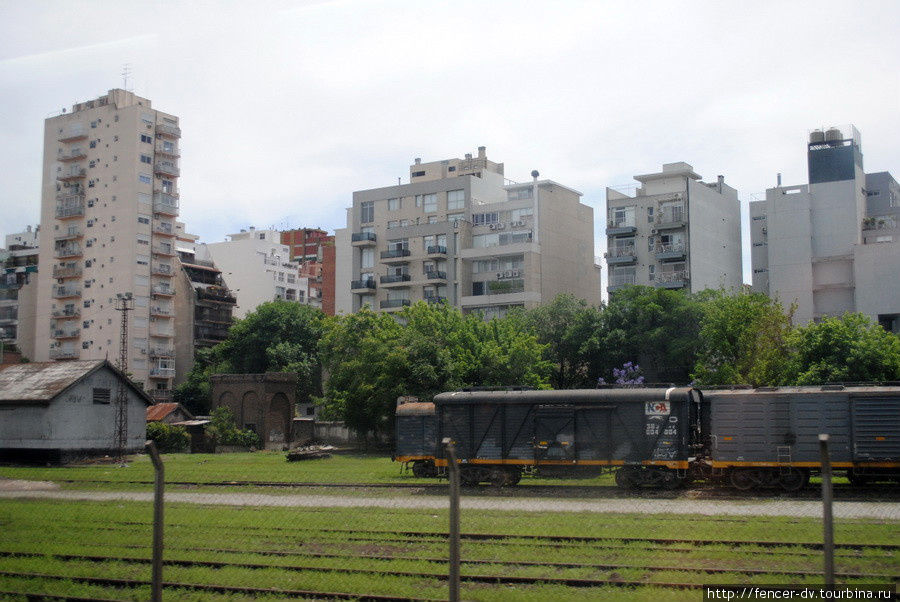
(657, 437)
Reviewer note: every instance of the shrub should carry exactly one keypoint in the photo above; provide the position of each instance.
(168, 437)
(224, 431)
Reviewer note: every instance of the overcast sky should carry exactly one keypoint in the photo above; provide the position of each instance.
(288, 107)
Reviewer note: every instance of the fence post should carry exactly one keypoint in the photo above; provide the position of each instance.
(159, 483)
(454, 519)
(827, 521)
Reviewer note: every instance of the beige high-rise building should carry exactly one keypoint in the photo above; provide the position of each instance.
(460, 232)
(108, 206)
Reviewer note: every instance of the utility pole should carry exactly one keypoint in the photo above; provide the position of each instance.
(124, 304)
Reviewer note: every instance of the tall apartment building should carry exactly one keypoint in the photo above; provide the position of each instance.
(833, 245)
(309, 248)
(259, 269)
(676, 232)
(459, 232)
(18, 288)
(108, 204)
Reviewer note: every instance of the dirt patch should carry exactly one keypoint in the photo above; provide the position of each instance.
(19, 485)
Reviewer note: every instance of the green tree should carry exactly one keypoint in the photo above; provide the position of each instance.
(654, 327)
(846, 349)
(566, 327)
(742, 340)
(223, 430)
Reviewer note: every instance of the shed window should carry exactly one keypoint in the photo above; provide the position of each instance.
(101, 395)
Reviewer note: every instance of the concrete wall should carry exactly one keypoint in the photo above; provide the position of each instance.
(877, 276)
(759, 247)
(790, 249)
(73, 422)
(25, 332)
(261, 402)
(714, 237)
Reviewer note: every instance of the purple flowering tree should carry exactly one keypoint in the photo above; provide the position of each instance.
(628, 374)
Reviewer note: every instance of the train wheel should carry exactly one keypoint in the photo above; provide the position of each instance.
(671, 480)
(502, 477)
(469, 476)
(515, 475)
(742, 479)
(794, 479)
(627, 478)
(424, 469)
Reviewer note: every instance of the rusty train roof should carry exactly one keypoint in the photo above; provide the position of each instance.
(567, 396)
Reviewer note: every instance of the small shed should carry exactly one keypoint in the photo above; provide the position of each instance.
(168, 412)
(59, 411)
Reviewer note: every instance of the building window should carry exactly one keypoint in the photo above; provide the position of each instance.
(394, 223)
(649, 215)
(145, 178)
(367, 212)
(456, 199)
(146, 159)
(428, 202)
(393, 204)
(890, 322)
(432, 219)
(651, 273)
(520, 194)
(101, 395)
(143, 219)
(482, 219)
(455, 218)
(621, 217)
(368, 258)
(146, 139)
(418, 174)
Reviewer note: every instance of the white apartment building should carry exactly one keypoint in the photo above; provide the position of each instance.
(676, 232)
(258, 268)
(833, 245)
(459, 232)
(18, 288)
(108, 203)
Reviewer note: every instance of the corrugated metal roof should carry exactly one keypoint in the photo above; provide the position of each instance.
(160, 410)
(42, 381)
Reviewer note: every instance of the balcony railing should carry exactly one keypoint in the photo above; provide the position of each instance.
(63, 354)
(162, 332)
(675, 247)
(162, 352)
(62, 292)
(436, 250)
(394, 303)
(70, 196)
(392, 278)
(169, 131)
(166, 203)
(72, 234)
(66, 333)
(163, 229)
(67, 251)
(61, 314)
(886, 222)
(67, 210)
(72, 174)
(69, 271)
(174, 152)
(157, 372)
(159, 310)
(624, 251)
(167, 169)
(161, 395)
(621, 279)
(368, 284)
(9, 314)
(395, 253)
(678, 278)
(162, 269)
(362, 237)
(670, 216)
(162, 290)
(72, 134)
(74, 155)
(216, 293)
(435, 299)
(167, 250)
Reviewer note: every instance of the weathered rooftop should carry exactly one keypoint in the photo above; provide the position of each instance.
(43, 381)
(159, 411)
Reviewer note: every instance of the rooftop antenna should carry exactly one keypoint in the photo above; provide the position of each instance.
(126, 71)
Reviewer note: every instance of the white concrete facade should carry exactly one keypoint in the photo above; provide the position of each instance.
(831, 246)
(18, 288)
(676, 232)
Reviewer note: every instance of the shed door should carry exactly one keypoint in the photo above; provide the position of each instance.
(876, 424)
(554, 434)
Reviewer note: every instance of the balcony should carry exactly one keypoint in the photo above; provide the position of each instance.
(362, 286)
(395, 256)
(159, 311)
(162, 351)
(669, 218)
(435, 275)
(670, 252)
(72, 234)
(163, 250)
(168, 131)
(66, 271)
(163, 229)
(72, 134)
(436, 250)
(620, 281)
(157, 372)
(166, 168)
(678, 279)
(74, 155)
(621, 255)
(63, 354)
(66, 333)
(162, 269)
(66, 292)
(173, 152)
(11, 315)
(435, 299)
(162, 291)
(67, 251)
(70, 210)
(884, 222)
(395, 280)
(72, 174)
(394, 303)
(165, 333)
(362, 239)
(218, 294)
(161, 395)
(69, 312)
(620, 228)
(165, 203)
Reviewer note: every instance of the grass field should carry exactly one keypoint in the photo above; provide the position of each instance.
(356, 550)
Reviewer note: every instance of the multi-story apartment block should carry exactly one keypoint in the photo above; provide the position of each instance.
(109, 201)
(309, 247)
(677, 232)
(831, 246)
(259, 269)
(18, 287)
(460, 232)
(203, 314)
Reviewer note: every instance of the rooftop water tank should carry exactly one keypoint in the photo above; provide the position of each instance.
(816, 137)
(833, 135)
